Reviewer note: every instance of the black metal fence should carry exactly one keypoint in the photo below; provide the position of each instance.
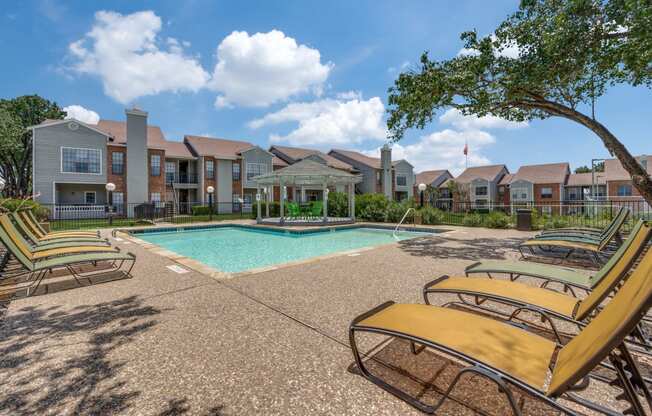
(80, 216)
(548, 214)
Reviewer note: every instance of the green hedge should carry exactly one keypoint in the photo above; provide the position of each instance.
(39, 211)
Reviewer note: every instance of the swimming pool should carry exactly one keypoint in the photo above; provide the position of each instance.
(236, 249)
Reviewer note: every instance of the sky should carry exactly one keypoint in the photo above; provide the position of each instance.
(292, 72)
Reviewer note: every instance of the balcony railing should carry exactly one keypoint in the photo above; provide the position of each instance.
(184, 178)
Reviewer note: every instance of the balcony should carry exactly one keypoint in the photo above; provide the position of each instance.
(186, 180)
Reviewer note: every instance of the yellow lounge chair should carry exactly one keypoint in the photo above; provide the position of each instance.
(28, 217)
(26, 231)
(547, 303)
(508, 356)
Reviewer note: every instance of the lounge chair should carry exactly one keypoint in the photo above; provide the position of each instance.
(569, 278)
(508, 356)
(616, 224)
(544, 302)
(622, 214)
(567, 245)
(28, 218)
(37, 267)
(27, 232)
(293, 210)
(52, 250)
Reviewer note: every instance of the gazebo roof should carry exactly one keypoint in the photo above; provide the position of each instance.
(307, 172)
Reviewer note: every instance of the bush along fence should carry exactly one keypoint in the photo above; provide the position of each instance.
(368, 207)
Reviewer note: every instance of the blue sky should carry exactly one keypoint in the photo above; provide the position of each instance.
(313, 74)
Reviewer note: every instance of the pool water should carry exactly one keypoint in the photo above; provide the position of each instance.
(235, 249)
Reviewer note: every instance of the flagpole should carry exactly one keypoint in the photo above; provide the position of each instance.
(466, 153)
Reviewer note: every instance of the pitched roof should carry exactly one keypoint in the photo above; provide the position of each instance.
(218, 148)
(507, 179)
(489, 173)
(585, 179)
(372, 162)
(277, 161)
(546, 173)
(293, 154)
(178, 150)
(118, 132)
(614, 170)
(306, 169)
(429, 176)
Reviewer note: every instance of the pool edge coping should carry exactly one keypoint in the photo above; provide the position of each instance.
(222, 275)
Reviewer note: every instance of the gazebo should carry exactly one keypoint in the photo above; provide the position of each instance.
(306, 172)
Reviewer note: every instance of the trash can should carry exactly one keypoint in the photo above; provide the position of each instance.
(524, 219)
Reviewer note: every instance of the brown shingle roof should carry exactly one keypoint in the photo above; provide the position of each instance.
(298, 153)
(507, 179)
(614, 171)
(177, 149)
(547, 173)
(372, 162)
(277, 161)
(118, 131)
(218, 148)
(429, 176)
(489, 173)
(585, 179)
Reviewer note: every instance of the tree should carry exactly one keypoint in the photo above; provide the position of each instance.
(569, 53)
(16, 148)
(599, 167)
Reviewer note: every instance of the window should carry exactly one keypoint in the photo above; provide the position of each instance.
(255, 169)
(74, 160)
(90, 197)
(155, 165)
(378, 177)
(401, 180)
(481, 191)
(572, 194)
(235, 198)
(546, 192)
(624, 190)
(546, 210)
(210, 169)
(170, 171)
(118, 163)
(118, 198)
(236, 171)
(155, 197)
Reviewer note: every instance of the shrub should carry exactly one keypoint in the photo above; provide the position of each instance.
(274, 209)
(201, 210)
(472, 220)
(556, 222)
(496, 219)
(338, 204)
(37, 209)
(396, 210)
(371, 207)
(431, 216)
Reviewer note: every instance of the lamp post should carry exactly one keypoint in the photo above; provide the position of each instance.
(422, 187)
(110, 187)
(210, 191)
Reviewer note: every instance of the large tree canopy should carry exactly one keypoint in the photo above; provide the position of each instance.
(16, 115)
(569, 53)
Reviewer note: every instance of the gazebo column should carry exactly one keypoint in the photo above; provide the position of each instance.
(269, 196)
(280, 184)
(325, 194)
(258, 202)
(303, 195)
(351, 201)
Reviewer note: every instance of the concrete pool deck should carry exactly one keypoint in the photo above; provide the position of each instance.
(273, 343)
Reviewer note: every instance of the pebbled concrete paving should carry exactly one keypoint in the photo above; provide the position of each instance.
(272, 343)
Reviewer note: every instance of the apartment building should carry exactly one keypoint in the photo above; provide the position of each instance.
(539, 184)
(480, 184)
(433, 179)
(585, 186)
(394, 179)
(618, 182)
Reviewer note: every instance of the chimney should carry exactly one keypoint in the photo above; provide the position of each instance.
(137, 159)
(386, 166)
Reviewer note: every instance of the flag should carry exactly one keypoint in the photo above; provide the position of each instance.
(466, 149)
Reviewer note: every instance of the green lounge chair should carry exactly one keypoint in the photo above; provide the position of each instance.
(293, 210)
(587, 230)
(507, 356)
(616, 224)
(27, 232)
(570, 278)
(37, 267)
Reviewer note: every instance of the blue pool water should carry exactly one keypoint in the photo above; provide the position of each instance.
(234, 249)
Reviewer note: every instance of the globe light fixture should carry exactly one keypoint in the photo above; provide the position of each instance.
(210, 189)
(422, 187)
(110, 187)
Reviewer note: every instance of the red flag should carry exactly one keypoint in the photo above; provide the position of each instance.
(466, 149)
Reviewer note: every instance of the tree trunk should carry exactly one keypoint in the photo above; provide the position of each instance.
(640, 178)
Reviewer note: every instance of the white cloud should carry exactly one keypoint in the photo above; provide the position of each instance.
(81, 114)
(443, 150)
(265, 68)
(507, 50)
(124, 51)
(329, 122)
(455, 118)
